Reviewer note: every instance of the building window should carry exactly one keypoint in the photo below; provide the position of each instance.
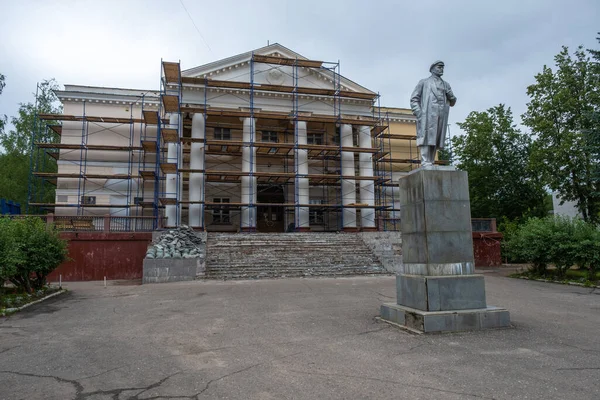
(221, 215)
(269, 136)
(222, 134)
(314, 138)
(138, 200)
(315, 215)
(88, 200)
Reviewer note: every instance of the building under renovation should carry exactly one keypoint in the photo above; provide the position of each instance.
(266, 141)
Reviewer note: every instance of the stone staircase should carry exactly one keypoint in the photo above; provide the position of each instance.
(279, 255)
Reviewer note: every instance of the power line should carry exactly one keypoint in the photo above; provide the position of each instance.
(198, 30)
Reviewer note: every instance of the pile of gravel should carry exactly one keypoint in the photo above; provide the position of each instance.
(182, 242)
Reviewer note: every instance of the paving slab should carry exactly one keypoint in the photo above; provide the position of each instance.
(294, 339)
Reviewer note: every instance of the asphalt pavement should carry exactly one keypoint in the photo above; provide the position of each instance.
(294, 339)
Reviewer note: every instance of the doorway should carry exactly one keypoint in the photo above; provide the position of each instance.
(270, 217)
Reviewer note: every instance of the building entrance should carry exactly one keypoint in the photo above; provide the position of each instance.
(270, 217)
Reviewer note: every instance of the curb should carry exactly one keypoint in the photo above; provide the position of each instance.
(559, 282)
(15, 309)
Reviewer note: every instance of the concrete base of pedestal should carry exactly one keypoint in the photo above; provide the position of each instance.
(440, 293)
(437, 290)
(445, 321)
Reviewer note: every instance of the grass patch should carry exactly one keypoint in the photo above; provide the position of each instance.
(11, 297)
(571, 275)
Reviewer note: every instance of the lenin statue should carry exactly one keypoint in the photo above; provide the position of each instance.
(430, 102)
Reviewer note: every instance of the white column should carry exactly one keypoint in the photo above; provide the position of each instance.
(248, 183)
(367, 188)
(348, 185)
(302, 219)
(196, 187)
(171, 179)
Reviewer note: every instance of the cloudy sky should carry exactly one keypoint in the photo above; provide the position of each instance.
(492, 49)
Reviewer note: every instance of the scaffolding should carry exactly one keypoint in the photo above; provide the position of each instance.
(158, 157)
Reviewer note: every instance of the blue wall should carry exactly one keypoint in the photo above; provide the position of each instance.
(9, 207)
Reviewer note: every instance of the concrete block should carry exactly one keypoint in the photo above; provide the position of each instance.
(438, 322)
(446, 321)
(494, 317)
(449, 247)
(441, 293)
(411, 291)
(414, 247)
(446, 215)
(445, 185)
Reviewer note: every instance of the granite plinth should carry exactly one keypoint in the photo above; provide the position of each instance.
(436, 223)
(446, 321)
(437, 290)
(441, 293)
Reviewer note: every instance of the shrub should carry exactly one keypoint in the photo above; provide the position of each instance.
(30, 251)
(8, 251)
(529, 243)
(556, 240)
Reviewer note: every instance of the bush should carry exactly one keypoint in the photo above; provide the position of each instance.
(561, 241)
(29, 251)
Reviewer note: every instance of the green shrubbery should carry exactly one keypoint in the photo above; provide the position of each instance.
(558, 241)
(29, 251)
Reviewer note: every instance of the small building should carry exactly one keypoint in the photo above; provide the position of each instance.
(266, 141)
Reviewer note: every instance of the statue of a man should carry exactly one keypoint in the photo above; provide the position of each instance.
(430, 102)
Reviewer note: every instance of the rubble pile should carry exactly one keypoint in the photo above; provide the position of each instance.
(181, 242)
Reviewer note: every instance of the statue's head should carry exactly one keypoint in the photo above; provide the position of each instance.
(437, 68)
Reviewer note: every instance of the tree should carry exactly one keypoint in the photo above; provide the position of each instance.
(15, 161)
(2, 117)
(18, 140)
(496, 156)
(560, 112)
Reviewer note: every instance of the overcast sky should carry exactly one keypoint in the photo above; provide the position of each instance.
(492, 49)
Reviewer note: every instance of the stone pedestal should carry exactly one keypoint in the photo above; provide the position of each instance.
(437, 290)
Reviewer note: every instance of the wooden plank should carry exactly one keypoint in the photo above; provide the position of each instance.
(56, 129)
(149, 145)
(107, 120)
(147, 174)
(170, 103)
(168, 168)
(150, 117)
(167, 201)
(376, 130)
(169, 135)
(53, 154)
(397, 136)
(287, 61)
(191, 140)
(172, 72)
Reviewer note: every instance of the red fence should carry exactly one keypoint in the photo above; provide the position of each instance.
(98, 255)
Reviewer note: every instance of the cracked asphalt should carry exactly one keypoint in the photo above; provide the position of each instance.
(294, 339)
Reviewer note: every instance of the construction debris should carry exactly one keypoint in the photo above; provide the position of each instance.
(181, 242)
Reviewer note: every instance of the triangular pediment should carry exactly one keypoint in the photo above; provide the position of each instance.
(238, 69)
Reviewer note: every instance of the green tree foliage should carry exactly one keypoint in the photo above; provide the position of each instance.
(30, 252)
(560, 113)
(496, 156)
(16, 144)
(2, 117)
